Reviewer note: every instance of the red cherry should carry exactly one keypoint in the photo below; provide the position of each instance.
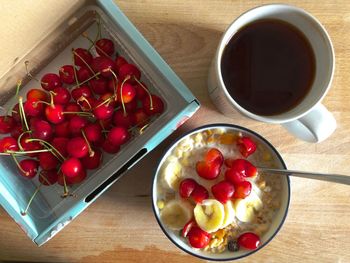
(77, 147)
(41, 130)
(242, 189)
(140, 91)
(16, 131)
(198, 238)
(109, 147)
(120, 119)
(199, 193)
(61, 95)
(129, 70)
(93, 132)
(249, 240)
(188, 227)
(84, 74)
(140, 118)
(62, 129)
(30, 145)
(71, 107)
(60, 144)
(77, 179)
(29, 167)
(186, 187)
(54, 113)
(8, 144)
(104, 111)
(234, 177)
(99, 86)
(157, 105)
(92, 162)
(240, 166)
(118, 135)
(104, 65)
(214, 155)
(7, 123)
(48, 161)
(104, 47)
(76, 124)
(48, 177)
(125, 93)
(120, 61)
(209, 171)
(223, 191)
(71, 167)
(67, 74)
(50, 81)
(37, 94)
(33, 108)
(82, 91)
(82, 57)
(246, 146)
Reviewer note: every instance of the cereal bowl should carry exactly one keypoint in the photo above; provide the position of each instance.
(201, 198)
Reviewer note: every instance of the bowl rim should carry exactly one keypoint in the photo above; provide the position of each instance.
(221, 125)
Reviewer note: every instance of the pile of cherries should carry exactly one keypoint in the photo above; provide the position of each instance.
(95, 104)
(234, 186)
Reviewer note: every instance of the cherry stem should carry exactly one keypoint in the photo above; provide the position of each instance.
(31, 200)
(114, 85)
(22, 113)
(74, 69)
(121, 93)
(91, 152)
(18, 86)
(79, 113)
(145, 89)
(92, 77)
(65, 188)
(98, 35)
(105, 102)
(48, 145)
(24, 152)
(93, 43)
(26, 63)
(43, 102)
(18, 165)
(51, 99)
(82, 99)
(19, 139)
(86, 64)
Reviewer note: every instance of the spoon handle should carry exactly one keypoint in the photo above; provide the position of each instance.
(335, 178)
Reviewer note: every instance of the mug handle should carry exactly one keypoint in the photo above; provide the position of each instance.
(316, 126)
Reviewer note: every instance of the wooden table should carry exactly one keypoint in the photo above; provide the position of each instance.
(120, 226)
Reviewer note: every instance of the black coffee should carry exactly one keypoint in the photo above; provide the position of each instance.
(268, 67)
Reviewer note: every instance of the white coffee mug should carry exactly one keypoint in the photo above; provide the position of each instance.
(309, 120)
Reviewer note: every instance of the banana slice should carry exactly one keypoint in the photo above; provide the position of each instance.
(209, 215)
(246, 208)
(229, 214)
(171, 174)
(176, 213)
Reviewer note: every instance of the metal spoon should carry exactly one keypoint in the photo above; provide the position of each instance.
(335, 178)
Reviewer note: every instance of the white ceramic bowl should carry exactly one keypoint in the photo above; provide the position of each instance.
(276, 224)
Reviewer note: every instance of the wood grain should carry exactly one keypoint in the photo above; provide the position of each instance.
(120, 226)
